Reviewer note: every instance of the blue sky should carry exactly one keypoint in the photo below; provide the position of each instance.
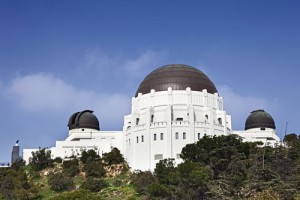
(60, 57)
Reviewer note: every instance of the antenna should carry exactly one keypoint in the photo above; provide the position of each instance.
(286, 126)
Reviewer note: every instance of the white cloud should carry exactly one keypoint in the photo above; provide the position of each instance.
(239, 107)
(99, 61)
(46, 93)
(95, 59)
(146, 60)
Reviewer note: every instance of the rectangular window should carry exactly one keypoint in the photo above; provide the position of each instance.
(178, 156)
(176, 135)
(158, 157)
(154, 137)
(142, 138)
(137, 139)
(184, 135)
(199, 135)
(161, 136)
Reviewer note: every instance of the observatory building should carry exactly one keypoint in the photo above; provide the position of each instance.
(174, 105)
(259, 127)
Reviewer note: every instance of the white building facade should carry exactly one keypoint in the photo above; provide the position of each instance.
(175, 105)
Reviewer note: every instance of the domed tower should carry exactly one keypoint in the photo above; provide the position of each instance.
(173, 106)
(82, 120)
(259, 119)
(259, 127)
(177, 77)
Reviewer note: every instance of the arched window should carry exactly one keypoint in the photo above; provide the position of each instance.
(199, 136)
(137, 139)
(154, 137)
(152, 118)
(206, 118)
(220, 120)
(161, 136)
(184, 135)
(142, 138)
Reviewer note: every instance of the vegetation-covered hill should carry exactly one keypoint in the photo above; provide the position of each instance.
(213, 168)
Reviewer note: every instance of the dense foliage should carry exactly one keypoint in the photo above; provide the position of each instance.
(59, 182)
(224, 167)
(113, 157)
(41, 159)
(213, 168)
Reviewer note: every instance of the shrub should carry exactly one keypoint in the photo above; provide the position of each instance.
(17, 165)
(59, 182)
(117, 182)
(94, 185)
(89, 155)
(7, 187)
(71, 167)
(79, 194)
(72, 170)
(94, 168)
(158, 190)
(69, 163)
(58, 160)
(41, 159)
(113, 157)
(141, 180)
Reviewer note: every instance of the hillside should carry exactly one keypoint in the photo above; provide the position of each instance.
(214, 168)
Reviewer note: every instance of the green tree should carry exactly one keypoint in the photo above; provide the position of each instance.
(94, 169)
(292, 140)
(94, 185)
(90, 155)
(59, 182)
(113, 157)
(159, 190)
(41, 159)
(216, 152)
(141, 180)
(71, 167)
(165, 172)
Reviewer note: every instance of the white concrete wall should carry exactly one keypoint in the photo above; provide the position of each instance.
(184, 111)
(268, 136)
(83, 139)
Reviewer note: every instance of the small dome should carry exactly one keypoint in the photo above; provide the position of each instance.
(84, 119)
(178, 77)
(259, 119)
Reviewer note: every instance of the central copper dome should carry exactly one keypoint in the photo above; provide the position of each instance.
(178, 77)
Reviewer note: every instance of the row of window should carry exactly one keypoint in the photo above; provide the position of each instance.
(137, 120)
(162, 137)
(160, 156)
(177, 135)
(137, 139)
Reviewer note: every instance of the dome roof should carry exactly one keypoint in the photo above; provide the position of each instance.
(259, 119)
(178, 77)
(84, 119)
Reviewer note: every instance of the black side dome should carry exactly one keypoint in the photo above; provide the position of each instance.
(178, 77)
(84, 119)
(259, 119)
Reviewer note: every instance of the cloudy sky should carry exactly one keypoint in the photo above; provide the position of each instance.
(60, 57)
